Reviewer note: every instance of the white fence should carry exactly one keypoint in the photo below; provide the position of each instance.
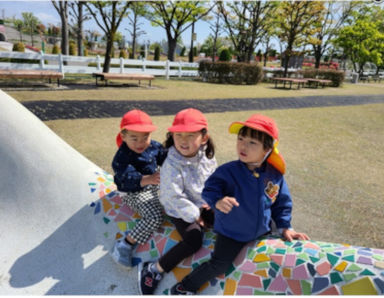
(77, 64)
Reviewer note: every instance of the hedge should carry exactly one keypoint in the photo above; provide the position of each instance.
(336, 76)
(230, 73)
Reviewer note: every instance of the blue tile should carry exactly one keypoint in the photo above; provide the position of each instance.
(380, 284)
(320, 284)
(311, 269)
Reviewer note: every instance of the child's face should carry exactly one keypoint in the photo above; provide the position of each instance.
(189, 143)
(250, 150)
(136, 141)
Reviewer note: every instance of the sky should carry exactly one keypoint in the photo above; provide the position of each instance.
(47, 14)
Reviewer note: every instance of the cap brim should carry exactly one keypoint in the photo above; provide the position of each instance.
(236, 126)
(119, 140)
(186, 128)
(140, 127)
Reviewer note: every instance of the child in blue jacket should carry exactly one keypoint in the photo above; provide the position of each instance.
(245, 195)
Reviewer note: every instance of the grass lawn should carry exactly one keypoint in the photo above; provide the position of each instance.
(188, 89)
(333, 157)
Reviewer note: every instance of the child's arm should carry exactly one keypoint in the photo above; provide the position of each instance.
(290, 234)
(153, 179)
(126, 177)
(226, 204)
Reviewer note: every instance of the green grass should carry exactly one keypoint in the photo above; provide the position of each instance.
(188, 89)
(333, 155)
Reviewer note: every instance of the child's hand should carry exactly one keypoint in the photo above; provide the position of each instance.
(289, 235)
(150, 179)
(226, 204)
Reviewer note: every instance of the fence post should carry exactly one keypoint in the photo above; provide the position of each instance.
(144, 66)
(41, 60)
(121, 65)
(179, 68)
(98, 63)
(61, 65)
(167, 69)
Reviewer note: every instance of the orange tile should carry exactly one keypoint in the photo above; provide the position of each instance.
(262, 272)
(287, 272)
(230, 287)
(106, 205)
(180, 273)
(175, 236)
(341, 267)
(261, 258)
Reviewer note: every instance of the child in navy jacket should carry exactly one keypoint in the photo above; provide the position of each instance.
(246, 195)
(136, 176)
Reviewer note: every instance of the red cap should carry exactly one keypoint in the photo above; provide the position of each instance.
(257, 122)
(135, 120)
(188, 120)
(267, 125)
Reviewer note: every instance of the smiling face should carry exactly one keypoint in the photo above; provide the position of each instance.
(189, 143)
(136, 141)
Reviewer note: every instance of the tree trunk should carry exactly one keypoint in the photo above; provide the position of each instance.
(317, 52)
(80, 30)
(171, 48)
(191, 48)
(107, 59)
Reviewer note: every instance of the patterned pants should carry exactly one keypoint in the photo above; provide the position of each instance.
(146, 203)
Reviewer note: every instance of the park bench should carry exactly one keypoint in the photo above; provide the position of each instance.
(318, 82)
(104, 76)
(31, 74)
(298, 81)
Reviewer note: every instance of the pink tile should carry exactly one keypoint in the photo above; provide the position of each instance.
(160, 245)
(240, 257)
(112, 212)
(244, 291)
(323, 268)
(122, 217)
(290, 260)
(248, 267)
(143, 247)
(201, 253)
(300, 272)
(330, 291)
(311, 245)
(188, 261)
(295, 286)
(278, 259)
(250, 280)
(117, 200)
(126, 210)
(278, 284)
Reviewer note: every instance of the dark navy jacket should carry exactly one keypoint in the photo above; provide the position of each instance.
(261, 199)
(129, 166)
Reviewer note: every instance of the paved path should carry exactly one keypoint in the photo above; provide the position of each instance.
(71, 109)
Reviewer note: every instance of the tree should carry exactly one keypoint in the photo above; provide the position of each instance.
(19, 27)
(139, 9)
(62, 9)
(108, 16)
(334, 17)
(30, 23)
(216, 29)
(362, 40)
(296, 22)
(246, 23)
(174, 17)
(78, 19)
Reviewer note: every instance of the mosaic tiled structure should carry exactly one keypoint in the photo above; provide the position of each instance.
(268, 266)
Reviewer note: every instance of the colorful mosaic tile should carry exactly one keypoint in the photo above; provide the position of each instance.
(268, 266)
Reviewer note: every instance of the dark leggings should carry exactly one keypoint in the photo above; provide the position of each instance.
(192, 235)
(225, 252)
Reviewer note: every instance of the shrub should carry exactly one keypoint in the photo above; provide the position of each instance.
(337, 77)
(123, 54)
(85, 52)
(72, 48)
(157, 54)
(55, 49)
(182, 53)
(225, 55)
(18, 47)
(230, 73)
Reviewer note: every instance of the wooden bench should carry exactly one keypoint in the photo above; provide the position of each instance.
(31, 74)
(104, 76)
(299, 82)
(318, 82)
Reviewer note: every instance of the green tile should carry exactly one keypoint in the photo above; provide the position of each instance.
(378, 257)
(275, 266)
(332, 259)
(353, 268)
(350, 258)
(314, 260)
(261, 249)
(266, 283)
(288, 243)
(106, 235)
(258, 292)
(303, 256)
(367, 272)
(298, 249)
(251, 254)
(204, 260)
(335, 277)
(230, 270)
(349, 276)
(349, 252)
(263, 265)
(166, 292)
(195, 265)
(322, 254)
(299, 262)
(106, 220)
(237, 275)
(152, 244)
(280, 251)
(131, 225)
(270, 250)
(154, 253)
(328, 249)
(290, 250)
(222, 283)
(306, 287)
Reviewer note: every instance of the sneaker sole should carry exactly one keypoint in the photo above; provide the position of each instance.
(115, 256)
(139, 269)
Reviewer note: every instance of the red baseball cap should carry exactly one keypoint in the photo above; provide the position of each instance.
(267, 125)
(188, 120)
(135, 120)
